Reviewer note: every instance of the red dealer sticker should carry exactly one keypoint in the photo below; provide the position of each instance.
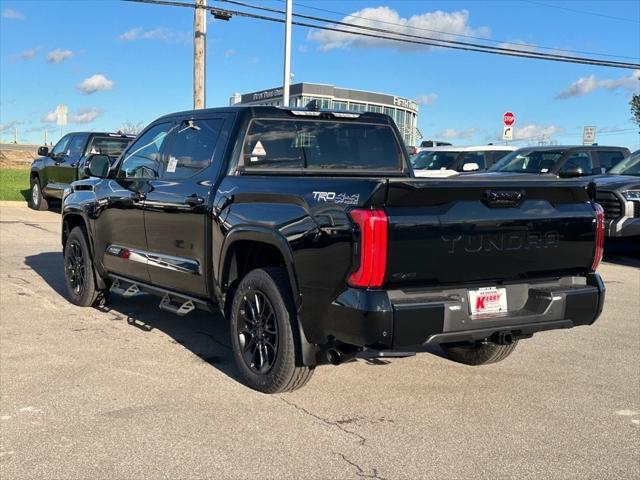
(489, 300)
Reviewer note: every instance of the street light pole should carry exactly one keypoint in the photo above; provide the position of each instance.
(199, 53)
(287, 55)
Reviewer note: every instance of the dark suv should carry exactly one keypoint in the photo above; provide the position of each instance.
(563, 161)
(54, 170)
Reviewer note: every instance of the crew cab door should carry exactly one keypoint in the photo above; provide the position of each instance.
(120, 237)
(48, 172)
(65, 167)
(176, 206)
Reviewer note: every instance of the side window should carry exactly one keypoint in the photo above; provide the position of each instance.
(192, 149)
(472, 157)
(61, 146)
(610, 158)
(578, 160)
(76, 146)
(142, 158)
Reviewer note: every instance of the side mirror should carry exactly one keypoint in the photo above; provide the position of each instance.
(43, 151)
(571, 172)
(97, 166)
(470, 167)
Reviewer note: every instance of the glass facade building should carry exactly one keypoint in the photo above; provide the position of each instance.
(403, 111)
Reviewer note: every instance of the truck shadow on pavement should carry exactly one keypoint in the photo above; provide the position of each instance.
(205, 334)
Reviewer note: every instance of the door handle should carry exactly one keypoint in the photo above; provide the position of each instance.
(194, 200)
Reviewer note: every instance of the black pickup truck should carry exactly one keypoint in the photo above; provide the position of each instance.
(309, 232)
(54, 170)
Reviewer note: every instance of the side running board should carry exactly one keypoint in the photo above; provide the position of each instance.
(173, 302)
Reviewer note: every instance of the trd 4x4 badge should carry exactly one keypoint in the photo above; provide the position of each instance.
(340, 198)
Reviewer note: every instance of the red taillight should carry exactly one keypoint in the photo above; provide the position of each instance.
(597, 257)
(373, 248)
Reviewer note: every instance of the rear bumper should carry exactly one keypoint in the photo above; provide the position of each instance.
(402, 318)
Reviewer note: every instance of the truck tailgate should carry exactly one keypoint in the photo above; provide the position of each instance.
(477, 229)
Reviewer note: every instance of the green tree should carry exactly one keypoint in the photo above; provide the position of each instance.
(634, 103)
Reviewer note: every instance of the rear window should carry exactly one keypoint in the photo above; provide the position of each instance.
(109, 145)
(434, 160)
(540, 161)
(319, 145)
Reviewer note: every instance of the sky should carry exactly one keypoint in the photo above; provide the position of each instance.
(115, 63)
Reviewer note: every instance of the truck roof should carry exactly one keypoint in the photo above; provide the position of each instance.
(271, 111)
(470, 148)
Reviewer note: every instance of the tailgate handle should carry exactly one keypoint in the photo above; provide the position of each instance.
(503, 198)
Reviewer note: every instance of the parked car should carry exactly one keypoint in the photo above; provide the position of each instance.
(54, 170)
(433, 143)
(308, 232)
(448, 161)
(619, 195)
(563, 161)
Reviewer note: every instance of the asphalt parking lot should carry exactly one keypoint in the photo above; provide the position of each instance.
(133, 392)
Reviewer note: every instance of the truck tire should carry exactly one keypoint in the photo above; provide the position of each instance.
(478, 353)
(78, 270)
(37, 201)
(262, 333)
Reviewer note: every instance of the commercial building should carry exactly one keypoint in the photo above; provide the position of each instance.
(403, 111)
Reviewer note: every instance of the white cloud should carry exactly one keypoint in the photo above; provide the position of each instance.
(9, 126)
(229, 53)
(586, 85)
(451, 133)
(162, 34)
(58, 55)
(518, 45)
(85, 115)
(302, 48)
(426, 98)
(12, 14)
(95, 83)
(436, 25)
(533, 131)
(130, 35)
(29, 54)
(49, 117)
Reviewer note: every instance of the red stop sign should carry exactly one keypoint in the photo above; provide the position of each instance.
(509, 119)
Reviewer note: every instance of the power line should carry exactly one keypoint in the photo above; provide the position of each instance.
(345, 15)
(457, 45)
(584, 12)
(404, 38)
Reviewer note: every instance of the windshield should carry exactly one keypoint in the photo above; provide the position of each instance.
(533, 161)
(434, 160)
(628, 166)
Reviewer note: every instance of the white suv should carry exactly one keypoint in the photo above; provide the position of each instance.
(448, 161)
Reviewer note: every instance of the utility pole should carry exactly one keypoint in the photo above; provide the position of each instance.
(199, 53)
(287, 55)
(15, 135)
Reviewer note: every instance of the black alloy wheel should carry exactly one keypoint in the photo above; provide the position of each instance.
(257, 332)
(75, 268)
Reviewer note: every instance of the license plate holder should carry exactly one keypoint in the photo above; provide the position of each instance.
(487, 302)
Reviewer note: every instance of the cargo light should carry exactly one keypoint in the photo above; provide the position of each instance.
(373, 227)
(597, 257)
